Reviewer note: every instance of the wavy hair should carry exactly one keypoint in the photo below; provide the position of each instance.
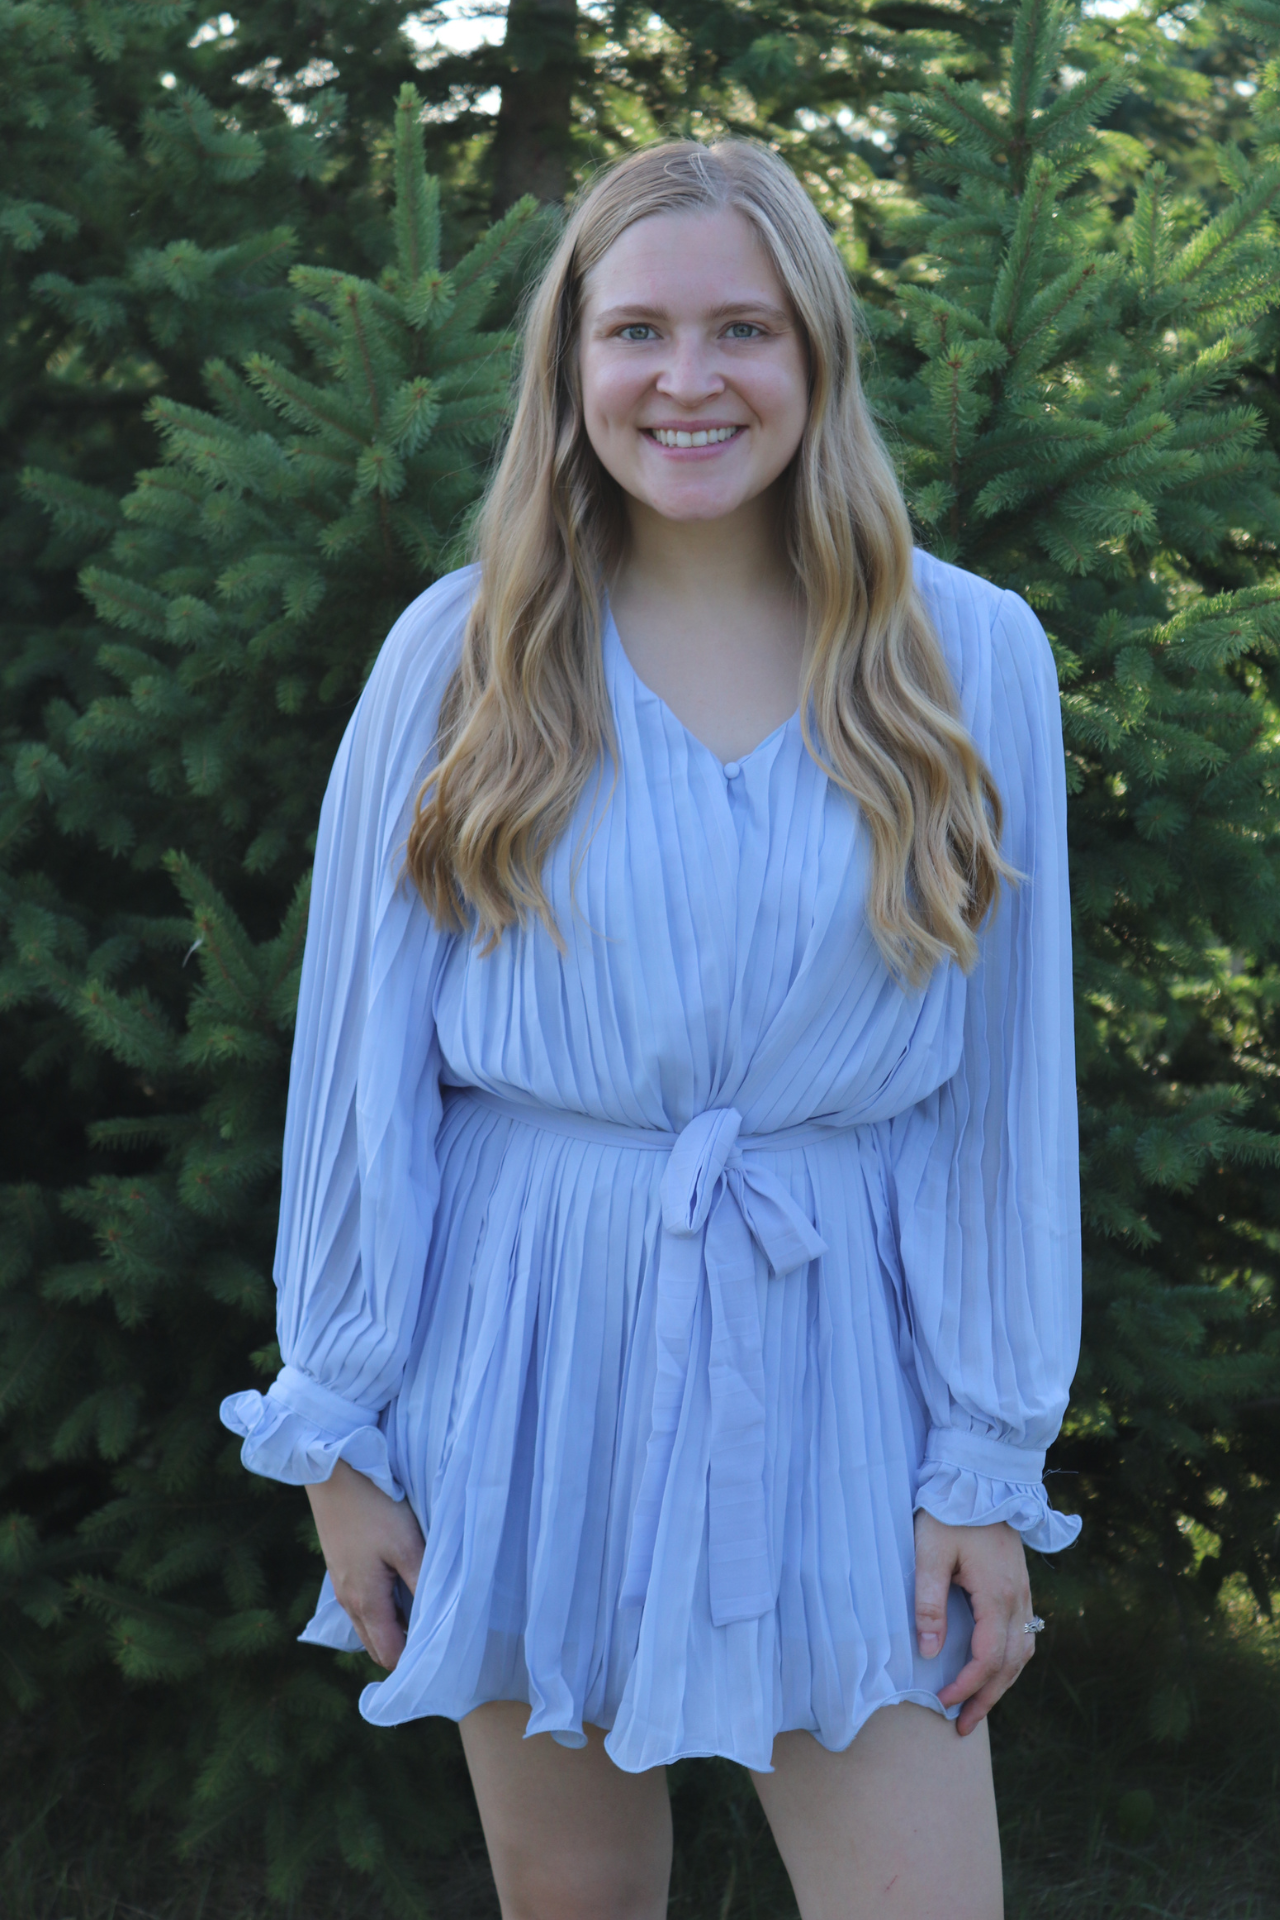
(526, 721)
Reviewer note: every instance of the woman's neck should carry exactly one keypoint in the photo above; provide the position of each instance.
(735, 559)
(711, 619)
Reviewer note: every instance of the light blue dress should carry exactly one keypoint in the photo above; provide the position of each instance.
(666, 1276)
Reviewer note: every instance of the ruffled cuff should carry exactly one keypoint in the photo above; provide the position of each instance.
(298, 1431)
(969, 1480)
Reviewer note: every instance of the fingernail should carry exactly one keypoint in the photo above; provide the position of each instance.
(928, 1645)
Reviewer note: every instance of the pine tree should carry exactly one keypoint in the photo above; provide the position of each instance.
(1059, 387)
(251, 577)
(160, 177)
(1065, 346)
(143, 227)
(578, 87)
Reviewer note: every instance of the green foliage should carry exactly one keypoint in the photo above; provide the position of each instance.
(805, 77)
(248, 581)
(160, 177)
(1059, 385)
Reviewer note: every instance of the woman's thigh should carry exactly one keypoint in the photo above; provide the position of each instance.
(570, 1835)
(900, 1826)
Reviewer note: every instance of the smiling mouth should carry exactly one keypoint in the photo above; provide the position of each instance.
(703, 437)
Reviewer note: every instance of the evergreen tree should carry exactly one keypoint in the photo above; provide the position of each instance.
(1059, 388)
(1063, 345)
(579, 87)
(161, 173)
(533, 136)
(251, 578)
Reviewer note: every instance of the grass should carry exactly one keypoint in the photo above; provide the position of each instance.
(1138, 1773)
(1140, 1776)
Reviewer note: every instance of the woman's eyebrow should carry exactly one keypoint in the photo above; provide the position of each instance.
(759, 309)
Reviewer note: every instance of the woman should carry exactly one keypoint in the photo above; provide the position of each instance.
(680, 1220)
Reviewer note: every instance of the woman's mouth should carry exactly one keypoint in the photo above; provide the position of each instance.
(695, 437)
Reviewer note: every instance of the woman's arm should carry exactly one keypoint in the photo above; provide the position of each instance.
(359, 1177)
(984, 1182)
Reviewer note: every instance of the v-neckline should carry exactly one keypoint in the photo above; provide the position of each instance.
(613, 640)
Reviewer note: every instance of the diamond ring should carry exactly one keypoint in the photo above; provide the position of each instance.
(1034, 1625)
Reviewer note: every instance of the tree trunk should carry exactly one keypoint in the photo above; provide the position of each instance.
(531, 144)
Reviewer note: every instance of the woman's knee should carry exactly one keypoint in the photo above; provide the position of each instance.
(584, 1868)
(570, 1836)
(564, 1889)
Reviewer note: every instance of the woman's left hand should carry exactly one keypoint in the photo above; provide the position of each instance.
(989, 1563)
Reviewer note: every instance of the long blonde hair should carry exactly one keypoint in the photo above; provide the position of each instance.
(526, 719)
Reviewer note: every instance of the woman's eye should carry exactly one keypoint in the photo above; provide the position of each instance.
(743, 330)
(638, 330)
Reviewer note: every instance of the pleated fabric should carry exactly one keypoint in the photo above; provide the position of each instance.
(668, 1275)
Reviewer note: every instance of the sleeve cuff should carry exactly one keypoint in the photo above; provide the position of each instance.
(970, 1480)
(298, 1431)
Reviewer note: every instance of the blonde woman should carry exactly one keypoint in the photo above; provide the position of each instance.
(679, 1250)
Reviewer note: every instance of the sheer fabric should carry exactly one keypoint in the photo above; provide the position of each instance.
(667, 1276)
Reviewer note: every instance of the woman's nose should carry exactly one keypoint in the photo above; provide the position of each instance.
(691, 373)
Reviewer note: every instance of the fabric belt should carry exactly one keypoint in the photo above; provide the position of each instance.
(717, 1199)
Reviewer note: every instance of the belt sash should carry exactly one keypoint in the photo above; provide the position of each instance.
(719, 1202)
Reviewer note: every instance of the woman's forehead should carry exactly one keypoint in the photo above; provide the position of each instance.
(709, 258)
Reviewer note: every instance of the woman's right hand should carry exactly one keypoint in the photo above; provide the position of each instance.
(367, 1539)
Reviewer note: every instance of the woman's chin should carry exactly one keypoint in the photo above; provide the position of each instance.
(697, 504)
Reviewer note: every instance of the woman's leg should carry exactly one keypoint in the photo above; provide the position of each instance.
(570, 1836)
(900, 1826)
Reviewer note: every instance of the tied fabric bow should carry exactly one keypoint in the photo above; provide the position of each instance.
(710, 1184)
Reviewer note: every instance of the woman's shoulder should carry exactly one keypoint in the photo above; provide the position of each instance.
(423, 647)
(416, 660)
(392, 732)
(990, 636)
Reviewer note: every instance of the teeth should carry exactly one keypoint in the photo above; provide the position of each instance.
(676, 437)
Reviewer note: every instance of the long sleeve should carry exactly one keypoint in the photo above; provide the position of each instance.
(359, 1183)
(985, 1173)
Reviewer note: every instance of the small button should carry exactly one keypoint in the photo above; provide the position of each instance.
(732, 768)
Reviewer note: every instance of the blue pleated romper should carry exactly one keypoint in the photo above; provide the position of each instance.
(667, 1275)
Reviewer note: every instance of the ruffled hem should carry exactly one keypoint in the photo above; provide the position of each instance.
(286, 1442)
(726, 1691)
(663, 1730)
(575, 1739)
(635, 1749)
(961, 1497)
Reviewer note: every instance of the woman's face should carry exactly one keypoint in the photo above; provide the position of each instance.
(694, 375)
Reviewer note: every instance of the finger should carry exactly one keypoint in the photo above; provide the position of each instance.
(373, 1614)
(974, 1711)
(971, 1679)
(408, 1563)
(988, 1650)
(934, 1567)
(996, 1641)
(384, 1639)
(977, 1688)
